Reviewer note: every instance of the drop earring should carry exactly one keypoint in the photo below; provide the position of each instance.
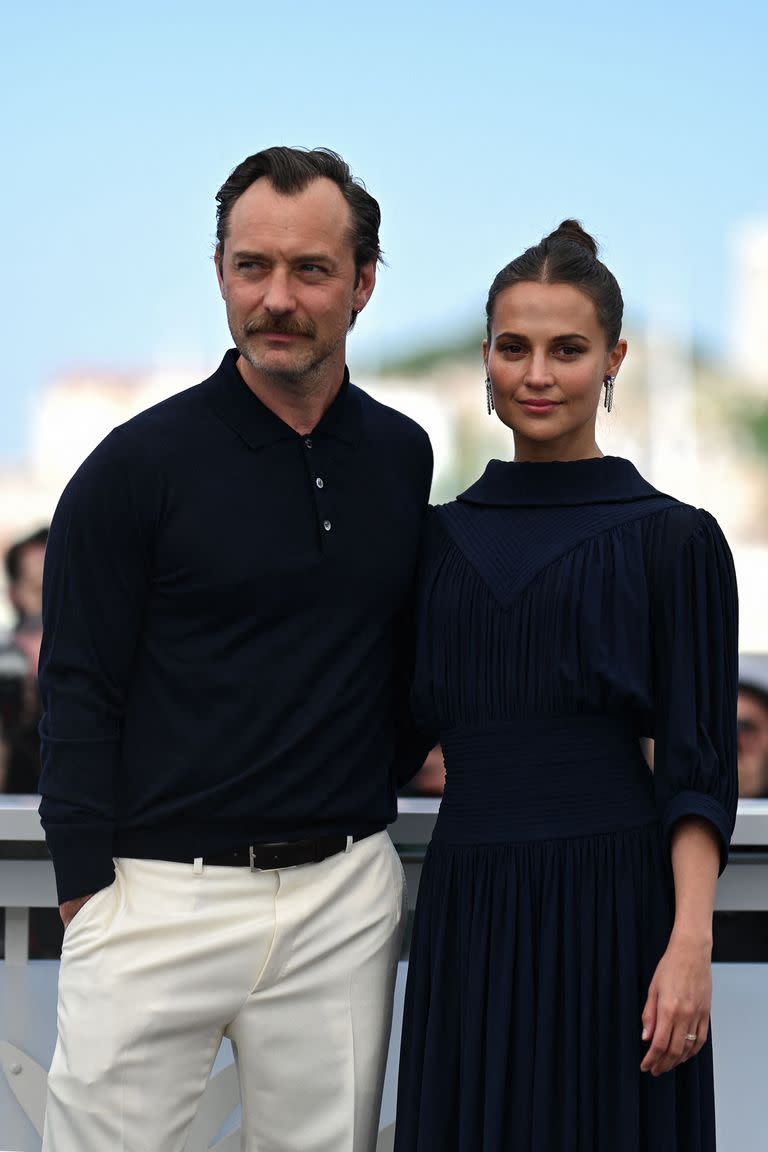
(608, 401)
(489, 395)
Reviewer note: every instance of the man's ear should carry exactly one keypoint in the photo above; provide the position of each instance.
(218, 257)
(366, 282)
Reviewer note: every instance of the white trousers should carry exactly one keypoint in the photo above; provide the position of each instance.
(295, 966)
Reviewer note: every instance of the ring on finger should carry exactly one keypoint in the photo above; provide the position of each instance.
(691, 1037)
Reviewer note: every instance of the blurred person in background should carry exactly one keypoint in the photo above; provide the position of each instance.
(20, 708)
(225, 671)
(752, 726)
(559, 980)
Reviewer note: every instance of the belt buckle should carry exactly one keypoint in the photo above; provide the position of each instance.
(254, 867)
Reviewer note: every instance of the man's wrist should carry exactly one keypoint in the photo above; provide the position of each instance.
(68, 909)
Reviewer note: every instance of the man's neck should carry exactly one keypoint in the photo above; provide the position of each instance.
(301, 403)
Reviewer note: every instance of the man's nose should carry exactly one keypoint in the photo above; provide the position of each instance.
(279, 296)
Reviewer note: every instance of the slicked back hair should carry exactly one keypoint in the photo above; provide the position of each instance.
(289, 171)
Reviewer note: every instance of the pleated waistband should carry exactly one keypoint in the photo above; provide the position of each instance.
(542, 778)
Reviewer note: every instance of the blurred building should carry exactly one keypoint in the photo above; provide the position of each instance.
(673, 416)
(749, 296)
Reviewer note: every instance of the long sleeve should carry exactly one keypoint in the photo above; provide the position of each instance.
(414, 741)
(696, 674)
(95, 585)
(422, 699)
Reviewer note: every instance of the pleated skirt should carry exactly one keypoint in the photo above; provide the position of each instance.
(544, 906)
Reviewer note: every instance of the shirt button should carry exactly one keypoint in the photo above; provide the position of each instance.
(327, 525)
(308, 441)
(319, 482)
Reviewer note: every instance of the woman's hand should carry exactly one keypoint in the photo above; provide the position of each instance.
(679, 1003)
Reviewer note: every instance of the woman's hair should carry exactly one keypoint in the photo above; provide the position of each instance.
(567, 256)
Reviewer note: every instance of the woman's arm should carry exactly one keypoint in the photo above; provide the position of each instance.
(680, 995)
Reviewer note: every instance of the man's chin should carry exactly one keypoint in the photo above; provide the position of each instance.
(284, 364)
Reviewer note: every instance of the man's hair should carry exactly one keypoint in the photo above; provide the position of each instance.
(289, 171)
(37, 539)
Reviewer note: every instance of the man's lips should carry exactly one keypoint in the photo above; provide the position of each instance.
(279, 334)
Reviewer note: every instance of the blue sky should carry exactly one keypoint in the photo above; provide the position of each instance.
(477, 127)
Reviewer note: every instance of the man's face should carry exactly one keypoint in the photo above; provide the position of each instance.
(26, 592)
(288, 278)
(752, 724)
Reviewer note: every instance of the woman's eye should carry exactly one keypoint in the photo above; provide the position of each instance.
(570, 350)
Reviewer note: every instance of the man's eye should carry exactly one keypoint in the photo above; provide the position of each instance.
(312, 268)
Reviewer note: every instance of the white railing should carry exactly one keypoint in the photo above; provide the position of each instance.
(28, 990)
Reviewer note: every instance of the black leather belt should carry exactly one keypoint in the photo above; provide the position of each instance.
(283, 855)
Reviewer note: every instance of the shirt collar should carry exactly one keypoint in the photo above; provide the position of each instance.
(260, 427)
(603, 480)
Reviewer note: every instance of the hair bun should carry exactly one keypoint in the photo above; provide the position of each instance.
(573, 231)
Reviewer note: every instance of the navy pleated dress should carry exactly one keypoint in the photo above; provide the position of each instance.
(566, 609)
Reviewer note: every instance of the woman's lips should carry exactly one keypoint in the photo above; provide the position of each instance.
(539, 407)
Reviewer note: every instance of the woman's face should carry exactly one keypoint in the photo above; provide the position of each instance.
(547, 359)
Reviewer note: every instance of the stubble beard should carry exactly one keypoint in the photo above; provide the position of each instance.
(297, 377)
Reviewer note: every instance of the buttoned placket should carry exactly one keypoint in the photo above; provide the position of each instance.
(313, 455)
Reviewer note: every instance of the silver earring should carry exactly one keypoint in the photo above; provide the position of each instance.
(489, 395)
(609, 383)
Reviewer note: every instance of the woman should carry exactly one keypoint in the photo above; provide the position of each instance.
(559, 983)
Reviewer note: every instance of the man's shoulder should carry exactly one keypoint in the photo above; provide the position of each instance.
(381, 419)
(158, 431)
(146, 442)
(172, 413)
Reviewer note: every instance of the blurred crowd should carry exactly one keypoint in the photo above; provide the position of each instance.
(752, 725)
(19, 654)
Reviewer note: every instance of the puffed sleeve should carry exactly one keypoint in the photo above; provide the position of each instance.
(696, 673)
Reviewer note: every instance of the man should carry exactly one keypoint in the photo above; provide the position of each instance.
(19, 653)
(224, 673)
(752, 726)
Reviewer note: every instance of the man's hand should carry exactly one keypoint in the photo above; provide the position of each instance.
(70, 908)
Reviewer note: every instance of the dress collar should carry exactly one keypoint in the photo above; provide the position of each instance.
(603, 480)
(259, 426)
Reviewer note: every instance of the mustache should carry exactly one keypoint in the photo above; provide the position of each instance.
(282, 325)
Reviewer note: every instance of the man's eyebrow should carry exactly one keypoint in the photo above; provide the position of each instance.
(314, 258)
(302, 258)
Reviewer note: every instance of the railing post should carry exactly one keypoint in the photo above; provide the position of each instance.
(16, 935)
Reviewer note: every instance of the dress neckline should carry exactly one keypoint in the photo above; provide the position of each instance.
(599, 480)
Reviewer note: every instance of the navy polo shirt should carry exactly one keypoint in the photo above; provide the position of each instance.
(227, 642)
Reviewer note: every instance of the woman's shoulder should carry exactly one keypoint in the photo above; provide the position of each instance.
(680, 522)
